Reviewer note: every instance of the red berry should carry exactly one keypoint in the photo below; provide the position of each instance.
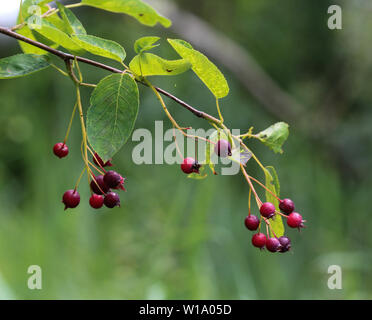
(287, 206)
(96, 201)
(259, 240)
(97, 189)
(223, 148)
(267, 210)
(113, 180)
(71, 199)
(285, 244)
(294, 220)
(60, 150)
(112, 200)
(99, 162)
(252, 222)
(190, 165)
(272, 244)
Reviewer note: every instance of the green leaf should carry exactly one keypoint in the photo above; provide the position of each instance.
(49, 31)
(203, 67)
(24, 15)
(73, 25)
(275, 136)
(148, 64)
(145, 44)
(135, 8)
(272, 183)
(26, 12)
(28, 48)
(101, 47)
(112, 114)
(21, 65)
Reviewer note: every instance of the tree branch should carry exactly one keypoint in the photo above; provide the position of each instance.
(68, 57)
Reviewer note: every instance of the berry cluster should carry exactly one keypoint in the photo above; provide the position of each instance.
(268, 211)
(101, 185)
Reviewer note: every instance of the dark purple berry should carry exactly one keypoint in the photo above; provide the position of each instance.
(287, 206)
(272, 244)
(285, 244)
(71, 199)
(259, 240)
(223, 148)
(101, 188)
(113, 180)
(267, 210)
(112, 200)
(294, 220)
(252, 222)
(96, 201)
(99, 162)
(60, 150)
(190, 165)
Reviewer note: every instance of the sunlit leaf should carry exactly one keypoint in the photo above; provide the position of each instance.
(275, 136)
(135, 8)
(148, 64)
(101, 47)
(272, 183)
(25, 13)
(203, 67)
(49, 31)
(73, 25)
(21, 65)
(112, 114)
(145, 44)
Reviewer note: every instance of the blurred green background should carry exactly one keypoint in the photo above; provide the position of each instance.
(176, 238)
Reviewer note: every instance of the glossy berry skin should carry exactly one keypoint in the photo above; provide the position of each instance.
(273, 244)
(71, 199)
(101, 184)
(60, 150)
(111, 200)
(259, 240)
(252, 222)
(190, 165)
(294, 220)
(287, 206)
(285, 244)
(96, 201)
(113, 179)
(99, 162)
(267, 210)
(223, 148)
